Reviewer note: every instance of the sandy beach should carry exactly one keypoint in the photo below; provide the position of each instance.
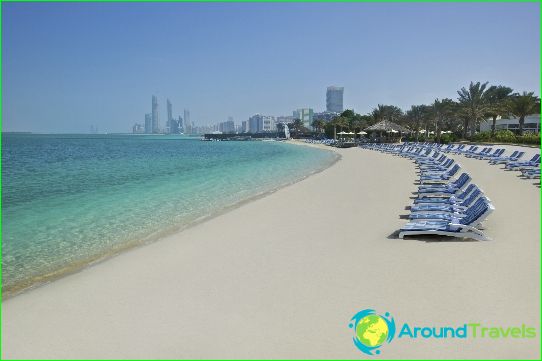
(280, 277)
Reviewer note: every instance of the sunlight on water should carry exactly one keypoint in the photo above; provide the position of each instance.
(70, 199)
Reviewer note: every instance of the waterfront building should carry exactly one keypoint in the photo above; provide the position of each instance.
(155, 118)
(306, 116)
(227, 127)
(285, 119)
(334, 99)
(169, 109)
(325, 116)
(148, 123)
(261, 123)
(138, 129)
(187, 122)
(531, 124)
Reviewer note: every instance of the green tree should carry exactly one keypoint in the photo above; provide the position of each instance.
(443, 113)
(522, 105)
(319, 124)
(498, 97)
(474, 105)
(416, 116)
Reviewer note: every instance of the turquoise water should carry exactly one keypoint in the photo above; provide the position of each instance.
(69, 200)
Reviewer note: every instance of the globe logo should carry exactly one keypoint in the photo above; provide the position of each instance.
(372, 330)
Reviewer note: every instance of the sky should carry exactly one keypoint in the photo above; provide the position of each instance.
(69, 66)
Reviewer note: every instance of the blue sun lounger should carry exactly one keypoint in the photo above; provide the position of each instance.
(444, 189)
(462, 228)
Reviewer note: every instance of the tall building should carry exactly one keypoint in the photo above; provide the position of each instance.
(325, 116)
(155, 119)
(181, 124)
(148, 123)
(306, 115)
(169, 114)
(187, 123)
(285, 119)
(261, 123)
(334, 99)
(227, 127)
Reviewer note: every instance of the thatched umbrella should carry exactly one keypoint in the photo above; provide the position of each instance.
(386, 126)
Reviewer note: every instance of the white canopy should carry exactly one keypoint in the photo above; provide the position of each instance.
(362, 133)
(341, 132)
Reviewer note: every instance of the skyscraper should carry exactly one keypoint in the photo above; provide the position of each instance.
(148, 123)
(187, 123)
(169, 114)
(334, 99)
(305, 114)
(155, 120)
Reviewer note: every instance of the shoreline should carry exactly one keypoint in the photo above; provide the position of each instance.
(82, 265)
(281, 276)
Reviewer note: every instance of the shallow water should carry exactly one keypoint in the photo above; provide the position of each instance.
(69, 200)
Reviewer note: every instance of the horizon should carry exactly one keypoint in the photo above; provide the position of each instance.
(63, 71)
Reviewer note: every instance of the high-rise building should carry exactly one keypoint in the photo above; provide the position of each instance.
(169, 114)
(181, 124)
(305, 114)
(137, 128)
(227, 127)
(285, 119)
(155, 119)
(187, 123)
(148, 123)
(261, 123)
(334, 99)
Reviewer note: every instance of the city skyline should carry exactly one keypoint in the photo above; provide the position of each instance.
(218, 61)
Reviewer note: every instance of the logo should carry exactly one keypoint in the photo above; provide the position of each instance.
(372, 330)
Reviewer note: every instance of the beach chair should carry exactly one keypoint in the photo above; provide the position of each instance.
(462, 228)
(513, 158)
(494, 155)
(534, 161)
(449, 207)
(439, 176)
(453, 198)
(449, 188)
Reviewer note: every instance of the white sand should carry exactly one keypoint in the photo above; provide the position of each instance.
(281, 277)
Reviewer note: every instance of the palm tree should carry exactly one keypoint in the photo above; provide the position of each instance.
(522, 105)
(499, 101)
(474, 104)
(416, 115)
(319, 124)
(443, 112)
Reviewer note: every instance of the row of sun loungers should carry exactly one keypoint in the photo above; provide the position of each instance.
(494, 155)
(445, 205)
(529, 169)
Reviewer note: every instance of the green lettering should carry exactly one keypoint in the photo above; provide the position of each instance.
(505, 332)
(515, 332)
(531, 332)
(473, 327)
(493, 332)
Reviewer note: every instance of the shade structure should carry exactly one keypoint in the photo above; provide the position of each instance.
(350, 133)
(342, 133)
(394, 131)
(387, 126)
(362, 133)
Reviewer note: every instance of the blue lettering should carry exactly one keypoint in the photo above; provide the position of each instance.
(405, 330)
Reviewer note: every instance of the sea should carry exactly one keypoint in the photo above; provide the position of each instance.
(72, 200)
